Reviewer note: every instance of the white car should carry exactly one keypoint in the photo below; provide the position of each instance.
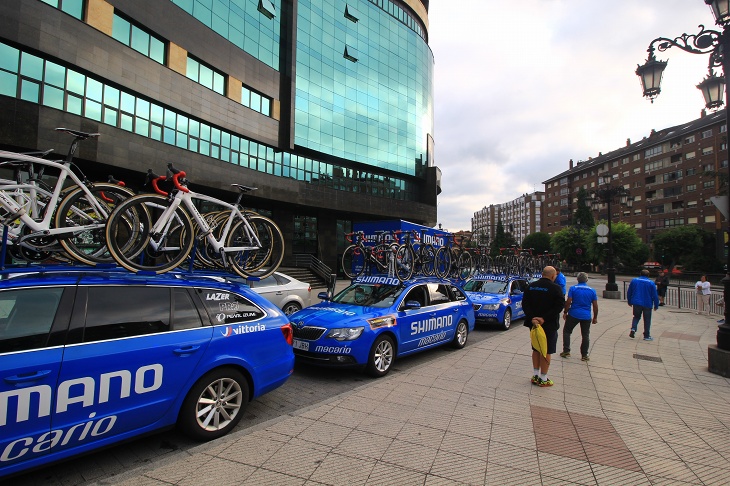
(285, 292)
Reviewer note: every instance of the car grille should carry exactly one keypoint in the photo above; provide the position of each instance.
(477, 306)
(308, 332)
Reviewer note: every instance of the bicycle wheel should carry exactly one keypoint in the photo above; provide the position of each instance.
(466, 265)
(353, 261)
(427, 256)
(132, 244)
(442, 263)
(76, 210)
(261, 260)
(405, 260)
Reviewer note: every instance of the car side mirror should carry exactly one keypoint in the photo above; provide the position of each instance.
(323, 296)
(411, 304)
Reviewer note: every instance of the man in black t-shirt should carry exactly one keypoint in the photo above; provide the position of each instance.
(542, 303)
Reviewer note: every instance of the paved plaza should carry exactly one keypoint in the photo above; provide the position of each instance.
(637, 413)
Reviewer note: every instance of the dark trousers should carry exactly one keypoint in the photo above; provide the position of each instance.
(585, 334)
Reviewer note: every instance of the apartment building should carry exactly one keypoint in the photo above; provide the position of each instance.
(520, 217)
(665, 172)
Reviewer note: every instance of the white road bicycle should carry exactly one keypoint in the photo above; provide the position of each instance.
(43, 220)
(155, 233)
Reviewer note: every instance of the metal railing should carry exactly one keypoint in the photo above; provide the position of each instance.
(311, 262)
(685, 297)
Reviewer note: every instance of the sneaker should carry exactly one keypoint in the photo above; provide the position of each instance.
(535, 380)
(585, 358)
(547, 382)
(721, 321)
(565, 354)
(632, 333)
(648, 338)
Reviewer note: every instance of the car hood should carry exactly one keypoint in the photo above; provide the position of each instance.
(328, 314)
(484, 298)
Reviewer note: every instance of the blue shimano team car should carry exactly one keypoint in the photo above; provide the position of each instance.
(497, 298)
(377, 319)
(91, 358)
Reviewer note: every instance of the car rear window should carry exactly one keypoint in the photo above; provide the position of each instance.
(226, 307)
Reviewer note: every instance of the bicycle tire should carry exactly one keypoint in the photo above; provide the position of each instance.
(129, 238)
(427, 257)
(466, 265)
(353, 261)
(405, 260)
(442, 263)
(88, 246)
(261, 262)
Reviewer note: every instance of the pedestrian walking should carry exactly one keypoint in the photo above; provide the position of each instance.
(560, 279)
(642, 296)
(703, 295)
(542, 303)
(662, 282)
(581, 300)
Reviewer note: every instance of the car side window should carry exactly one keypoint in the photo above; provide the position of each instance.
(185, 314)
(417, 294)
(125, 311)
(524, 286)
(457, 293)
(26, 317)
(228, 308)
(269, 281)
(438, 293)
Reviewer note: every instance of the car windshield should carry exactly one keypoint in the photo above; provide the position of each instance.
(487, 286)
(369, 295)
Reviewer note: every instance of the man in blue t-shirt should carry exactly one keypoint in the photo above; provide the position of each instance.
(560, 280)
(642, 296)
(581, 299)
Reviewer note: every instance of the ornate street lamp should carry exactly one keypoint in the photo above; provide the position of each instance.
(717, 45)
(608, 195)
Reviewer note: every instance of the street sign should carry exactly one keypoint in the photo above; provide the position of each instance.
(578, 251)
(602, 230)
(602, 239)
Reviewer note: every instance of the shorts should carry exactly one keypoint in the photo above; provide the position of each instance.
(552, 341)
(662, 291)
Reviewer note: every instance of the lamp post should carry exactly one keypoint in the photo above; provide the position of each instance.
(609, 194)
(717, 45)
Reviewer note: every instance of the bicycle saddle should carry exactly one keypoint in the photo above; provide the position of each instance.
(77, 133)
(243, 188)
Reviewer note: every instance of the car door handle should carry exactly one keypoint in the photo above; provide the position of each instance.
(25, 377)
(280, 293)
(186, 350)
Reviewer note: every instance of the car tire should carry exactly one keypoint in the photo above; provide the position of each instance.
(507, 321)
(214, 404)
(460, 335)
(381, 356)
(291, 307)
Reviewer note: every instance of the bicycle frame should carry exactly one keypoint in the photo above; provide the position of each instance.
(43, 227)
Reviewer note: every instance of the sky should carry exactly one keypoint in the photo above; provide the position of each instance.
(520, 88)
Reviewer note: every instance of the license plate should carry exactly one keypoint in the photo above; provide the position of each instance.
(299, 344)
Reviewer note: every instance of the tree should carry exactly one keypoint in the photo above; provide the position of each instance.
(539, 242)
(629, 252)
(583, 216)
(690, 245)
(568, 241)
(502, 239)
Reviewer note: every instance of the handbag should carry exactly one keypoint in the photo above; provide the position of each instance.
(539, 340)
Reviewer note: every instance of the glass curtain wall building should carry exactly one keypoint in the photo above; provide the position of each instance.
(324, 105)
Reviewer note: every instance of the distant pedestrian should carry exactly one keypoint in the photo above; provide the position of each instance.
(560, 280)
(642, 296)
(703, 295)
(662, 282)
(581, 300)
(721, 303)
(542, 303)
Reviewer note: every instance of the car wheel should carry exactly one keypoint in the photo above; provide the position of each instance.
(462, 332)
(381, 356)
(214, 405)
(507, 322)
(291, 307)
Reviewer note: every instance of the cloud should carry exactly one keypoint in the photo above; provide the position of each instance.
(522, 87)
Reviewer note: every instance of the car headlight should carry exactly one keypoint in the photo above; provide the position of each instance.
(345, 333)
(491, 306)
(384, 321)
(505, 301)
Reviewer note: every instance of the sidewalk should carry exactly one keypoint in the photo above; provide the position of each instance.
(637, 413)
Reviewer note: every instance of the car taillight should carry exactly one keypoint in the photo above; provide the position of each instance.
(288, 333)
(309, 289)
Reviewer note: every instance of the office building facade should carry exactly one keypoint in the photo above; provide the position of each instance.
(325, 106)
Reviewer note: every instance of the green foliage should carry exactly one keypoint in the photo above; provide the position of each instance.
(583, 216)
(502, 239)
(629, 252)
(690, 245)
(539, 242)
(567, 241)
